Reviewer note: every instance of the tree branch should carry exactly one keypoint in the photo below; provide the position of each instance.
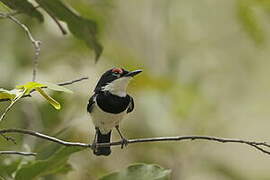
(7, 138)
(17, 153)
(261, 146)
(64, 32)
(60, 84)
(43, 136)
(35, 43)
(72, 81)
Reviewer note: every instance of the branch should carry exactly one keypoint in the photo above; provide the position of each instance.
(43, 136)
(7, 138)
(72, 81)
(60, 84)
(64, 32)
(11, 105)
(261, 146)
(17, 153)
(35, 43)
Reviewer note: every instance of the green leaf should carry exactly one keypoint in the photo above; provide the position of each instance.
(140, 172)
(53, 102)
(25, 7)
(55, 164)
(80, 27)
(29, 86)
(7, 168)
(55, 87)
(11, 95)
(6, 94)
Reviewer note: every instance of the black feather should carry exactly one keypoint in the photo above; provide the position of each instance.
(131, 105)
(103, 138)
(91, 103)
(111, 103)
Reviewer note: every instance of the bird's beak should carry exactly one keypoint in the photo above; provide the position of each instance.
(133, 73)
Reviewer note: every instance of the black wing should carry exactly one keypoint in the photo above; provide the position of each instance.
(91, 103)
(131, 105)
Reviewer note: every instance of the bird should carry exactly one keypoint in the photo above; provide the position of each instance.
(109, 104)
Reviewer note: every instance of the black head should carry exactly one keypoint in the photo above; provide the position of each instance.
(112, 75)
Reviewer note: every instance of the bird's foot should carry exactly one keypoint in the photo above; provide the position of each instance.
(94, 146)
(124, 142)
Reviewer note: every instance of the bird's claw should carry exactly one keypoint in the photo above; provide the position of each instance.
(94, 146)
(124, 143)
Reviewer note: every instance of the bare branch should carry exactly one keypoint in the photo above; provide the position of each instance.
(60, 84)
(72, 81)
(43, 136)
(17, 153)
(7, 138)
(35, 43)
(261, 146)
(64, 32)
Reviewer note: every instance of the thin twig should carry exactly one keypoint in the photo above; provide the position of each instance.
(17, 153)
(59, 84)
(35, 43)
(43, 136)
(7, 138)
(258, 145)
(72, 81)
(64, 32)
(12, 104)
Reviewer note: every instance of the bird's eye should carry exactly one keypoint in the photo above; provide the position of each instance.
(116, 74)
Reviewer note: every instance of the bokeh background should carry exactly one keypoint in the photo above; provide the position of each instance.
(206, 72)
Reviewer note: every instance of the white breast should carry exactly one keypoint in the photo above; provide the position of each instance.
(105, 121)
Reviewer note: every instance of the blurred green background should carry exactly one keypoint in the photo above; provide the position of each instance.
(206, 72)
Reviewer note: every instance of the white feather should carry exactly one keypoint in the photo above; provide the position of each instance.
(118, 87)
(105, 121)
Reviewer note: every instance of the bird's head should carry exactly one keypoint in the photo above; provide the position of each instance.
(116, 81)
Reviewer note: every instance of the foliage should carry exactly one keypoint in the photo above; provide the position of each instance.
(82, 28)
(29, 87)
(57, 163)
(24, 7)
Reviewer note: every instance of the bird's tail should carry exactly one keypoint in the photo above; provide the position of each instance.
(103, 138)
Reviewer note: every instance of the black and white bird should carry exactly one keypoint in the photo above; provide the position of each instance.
(109, 105)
